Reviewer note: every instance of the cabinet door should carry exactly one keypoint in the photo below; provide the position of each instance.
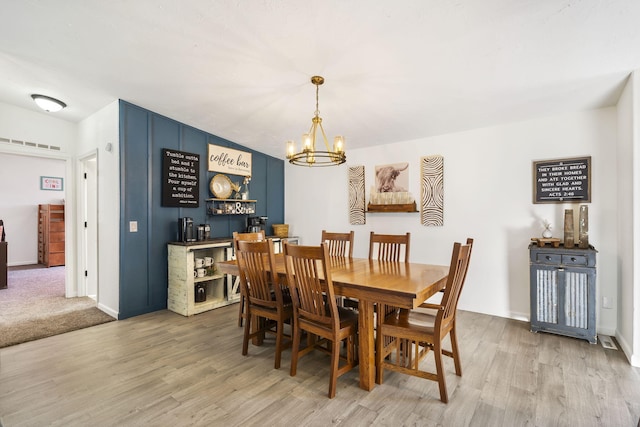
(576, 297)
(545, 296)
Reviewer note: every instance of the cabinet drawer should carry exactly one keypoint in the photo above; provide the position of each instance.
(56, 226)
(548, 258)
(56, 247)
(575, 260)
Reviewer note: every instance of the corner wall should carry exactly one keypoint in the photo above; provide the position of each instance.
(628, 332)
(143, 254)
(94, 133)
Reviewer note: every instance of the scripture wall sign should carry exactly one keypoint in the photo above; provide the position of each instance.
(224, 159)
(180, 179)
(562, 181)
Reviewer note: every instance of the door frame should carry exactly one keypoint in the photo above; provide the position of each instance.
(88, 234)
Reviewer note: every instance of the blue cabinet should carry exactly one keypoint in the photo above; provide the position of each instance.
(563, 291)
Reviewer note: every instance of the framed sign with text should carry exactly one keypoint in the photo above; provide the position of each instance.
(51, 183)
(180, 179)
(227, 160)
(562, 180)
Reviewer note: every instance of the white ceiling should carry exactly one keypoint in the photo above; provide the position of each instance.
(394, 70)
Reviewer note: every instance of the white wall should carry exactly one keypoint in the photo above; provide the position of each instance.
(20, 195)
(38, 127)
(94, 133)
(488, 196)
(628, 333)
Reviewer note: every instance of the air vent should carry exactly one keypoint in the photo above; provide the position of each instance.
(29, 144)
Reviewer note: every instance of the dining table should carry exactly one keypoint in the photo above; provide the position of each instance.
(401, 284)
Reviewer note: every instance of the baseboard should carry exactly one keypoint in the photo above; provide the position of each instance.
(524, 317)
(108, 310)
(634, 360)
(606, 331)
(21, 263)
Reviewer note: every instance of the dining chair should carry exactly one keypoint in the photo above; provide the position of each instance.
(389, 247)
(251, 237)
(405, 337)
(339, 244)
(265, 302)
(309, 278)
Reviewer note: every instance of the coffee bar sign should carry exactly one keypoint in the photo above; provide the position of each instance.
(224, 159)
(562, 181)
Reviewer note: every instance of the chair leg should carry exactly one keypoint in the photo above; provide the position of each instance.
(247, 333)
(279, 333)
(294, 348)
(335, 360)
(442, 382)
(379, 357)
(454, 350)
(241, 310)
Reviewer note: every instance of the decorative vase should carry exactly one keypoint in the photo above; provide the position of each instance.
(547, 234)
(583, 228)
(569, 241)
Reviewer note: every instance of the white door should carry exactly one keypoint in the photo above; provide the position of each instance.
(89, 234)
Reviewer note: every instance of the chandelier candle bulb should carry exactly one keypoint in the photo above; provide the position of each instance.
(306, 142)
(291, 149)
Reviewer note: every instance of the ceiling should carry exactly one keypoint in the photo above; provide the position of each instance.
(394, 71)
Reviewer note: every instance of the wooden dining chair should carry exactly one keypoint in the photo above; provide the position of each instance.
(309, 278)
(339, 244)
(405, 337)
(250, 237)
(389, 247)
(265, 302)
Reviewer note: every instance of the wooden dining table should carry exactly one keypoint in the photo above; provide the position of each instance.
(405, 285)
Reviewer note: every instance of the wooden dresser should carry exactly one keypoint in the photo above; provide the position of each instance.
(51, 235)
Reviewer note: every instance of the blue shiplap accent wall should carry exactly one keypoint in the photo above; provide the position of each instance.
(143, 255)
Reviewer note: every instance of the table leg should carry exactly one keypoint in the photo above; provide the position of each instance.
(366, 345)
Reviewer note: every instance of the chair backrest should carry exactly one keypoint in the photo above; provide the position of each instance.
(457, 275)
(310, 283)
(339, 244)
(389, 247)
(249, 237)
(256, 268)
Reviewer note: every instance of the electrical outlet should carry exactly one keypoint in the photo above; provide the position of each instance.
(133, 226)
(606, 302)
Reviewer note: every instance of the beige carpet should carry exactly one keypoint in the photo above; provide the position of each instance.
(34, 306)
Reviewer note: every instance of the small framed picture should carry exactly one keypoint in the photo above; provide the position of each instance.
(51, 183)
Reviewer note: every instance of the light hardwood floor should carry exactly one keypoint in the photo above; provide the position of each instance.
(162, 369)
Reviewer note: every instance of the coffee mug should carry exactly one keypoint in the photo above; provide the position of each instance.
(199, 262)
(208, 261)
(201, 272)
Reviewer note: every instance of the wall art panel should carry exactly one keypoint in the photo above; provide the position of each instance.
(432, 191)
(356, 195)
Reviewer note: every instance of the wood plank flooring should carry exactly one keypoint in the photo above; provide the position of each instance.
(162, 369)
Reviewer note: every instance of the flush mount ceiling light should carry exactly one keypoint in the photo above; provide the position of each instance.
(47, 103)
(309, 156)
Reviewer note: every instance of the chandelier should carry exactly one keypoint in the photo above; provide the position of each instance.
(309, 156)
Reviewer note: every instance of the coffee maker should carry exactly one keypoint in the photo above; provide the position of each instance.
(255, 224)
(186, 232)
